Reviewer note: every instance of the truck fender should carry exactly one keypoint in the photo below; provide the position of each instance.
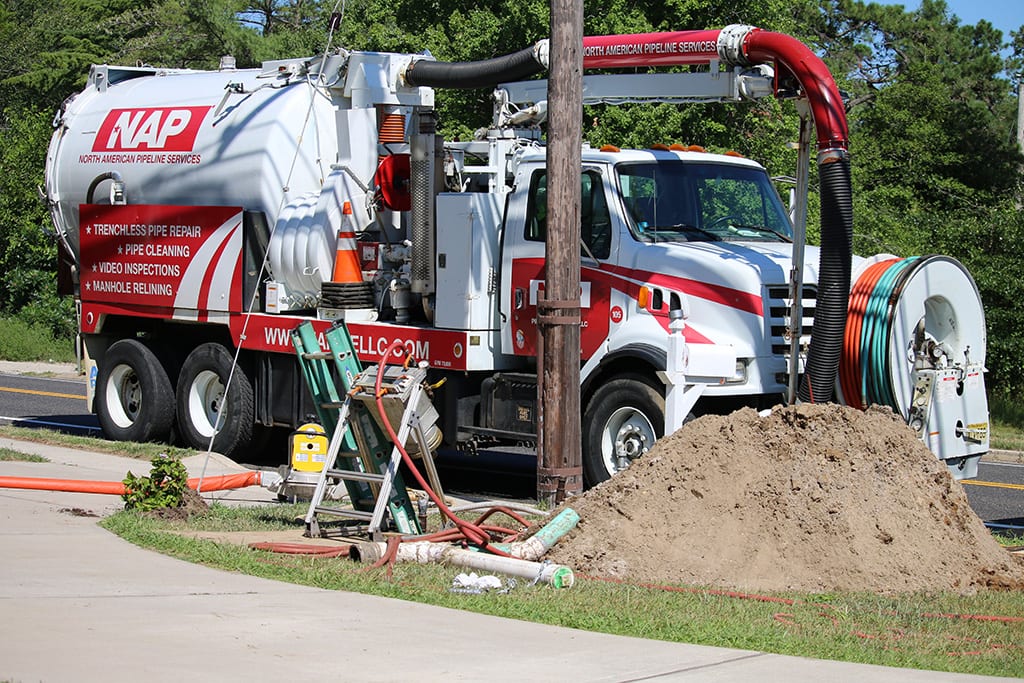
(625, 359)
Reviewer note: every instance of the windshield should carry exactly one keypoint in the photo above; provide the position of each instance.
(672, 201)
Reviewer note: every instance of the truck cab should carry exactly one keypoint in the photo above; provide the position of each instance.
(671, 227)
(709, 226)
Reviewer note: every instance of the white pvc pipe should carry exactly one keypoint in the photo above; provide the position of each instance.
(424, 552)
(558, 576)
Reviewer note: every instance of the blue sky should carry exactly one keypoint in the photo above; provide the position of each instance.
(1005, 15)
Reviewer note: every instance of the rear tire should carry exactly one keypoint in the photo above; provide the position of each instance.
(134, 396)
(207, 406)
(623, 419)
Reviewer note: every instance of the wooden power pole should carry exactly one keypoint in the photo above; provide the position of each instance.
(1020, 116)
(559, 458)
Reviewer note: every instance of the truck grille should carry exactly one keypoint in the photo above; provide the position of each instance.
(778, 316)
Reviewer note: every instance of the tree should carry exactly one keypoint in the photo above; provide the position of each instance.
(27, 253)
(46, 49)
(930, 107)
(936, 167)
(186, 34)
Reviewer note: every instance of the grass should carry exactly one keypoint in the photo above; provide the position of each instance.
(1007, 419)
(9, 455)
(1008, 540)
(902, 631)
(21, 341)
(128, 449)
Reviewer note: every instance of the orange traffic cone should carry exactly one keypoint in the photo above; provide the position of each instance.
(346, 260)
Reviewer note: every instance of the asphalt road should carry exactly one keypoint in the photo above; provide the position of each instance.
(28, 401)
(997, 495)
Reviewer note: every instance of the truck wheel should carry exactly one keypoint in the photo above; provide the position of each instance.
(204, 406)
(134, 397)
(623, 420)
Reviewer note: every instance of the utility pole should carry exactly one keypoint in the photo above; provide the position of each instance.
(1020, 115)
(1020, 129)
(559, 458)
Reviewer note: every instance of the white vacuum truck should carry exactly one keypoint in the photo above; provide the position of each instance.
(203, 215)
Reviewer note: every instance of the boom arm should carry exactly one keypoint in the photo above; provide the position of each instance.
(736, 45)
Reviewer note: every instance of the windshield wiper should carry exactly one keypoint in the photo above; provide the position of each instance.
(764, 229)
(685, 228)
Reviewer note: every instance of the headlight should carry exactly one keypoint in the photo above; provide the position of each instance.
(740, 375)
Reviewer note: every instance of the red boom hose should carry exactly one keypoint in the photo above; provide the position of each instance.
(756, 46)
(813, 76)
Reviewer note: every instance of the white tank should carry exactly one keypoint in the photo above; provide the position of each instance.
(224, 138)
(180, 137)
(285, 140)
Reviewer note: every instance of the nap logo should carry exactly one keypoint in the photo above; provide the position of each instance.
(168, 129)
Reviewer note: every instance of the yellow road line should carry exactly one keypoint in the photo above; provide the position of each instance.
(995, 484)
(41, 393)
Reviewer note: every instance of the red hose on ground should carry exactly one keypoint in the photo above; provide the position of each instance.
(224, 482)
(785, 601)
(687, 589)
(302, 549)
(110, 488)
(116, 488)
(975, 617)
(473, 533)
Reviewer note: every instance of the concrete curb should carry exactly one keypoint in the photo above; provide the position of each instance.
(41, 369)
(1006, 457)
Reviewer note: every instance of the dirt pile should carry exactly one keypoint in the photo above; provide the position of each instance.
(811, 497)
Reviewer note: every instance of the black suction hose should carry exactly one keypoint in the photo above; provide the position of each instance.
(483, 74)
(109, 175)
(833, 282)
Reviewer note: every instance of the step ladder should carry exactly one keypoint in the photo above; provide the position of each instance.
(360, 455)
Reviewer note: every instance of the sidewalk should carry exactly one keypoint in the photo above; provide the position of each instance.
(79, 604)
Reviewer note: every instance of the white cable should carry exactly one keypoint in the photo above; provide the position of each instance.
(518, 507)
(263, 266)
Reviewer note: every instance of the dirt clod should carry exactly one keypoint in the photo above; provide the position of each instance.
(78, 512)
(191, 504)
(811, 498)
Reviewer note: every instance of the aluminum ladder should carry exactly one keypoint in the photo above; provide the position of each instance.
(359, 454)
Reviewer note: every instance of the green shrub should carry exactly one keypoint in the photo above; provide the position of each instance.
(164, 487)
(51, 312)
(22, 341)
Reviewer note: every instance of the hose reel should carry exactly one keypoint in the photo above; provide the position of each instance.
(915, 341)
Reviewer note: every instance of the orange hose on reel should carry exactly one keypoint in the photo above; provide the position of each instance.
(850, 360)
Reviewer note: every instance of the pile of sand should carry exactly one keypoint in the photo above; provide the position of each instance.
(811, 498)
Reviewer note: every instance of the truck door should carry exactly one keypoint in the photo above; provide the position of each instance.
(523, 261)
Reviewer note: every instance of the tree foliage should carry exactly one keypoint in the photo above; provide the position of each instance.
(27, 255)
(931, 104)
(936, 164)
